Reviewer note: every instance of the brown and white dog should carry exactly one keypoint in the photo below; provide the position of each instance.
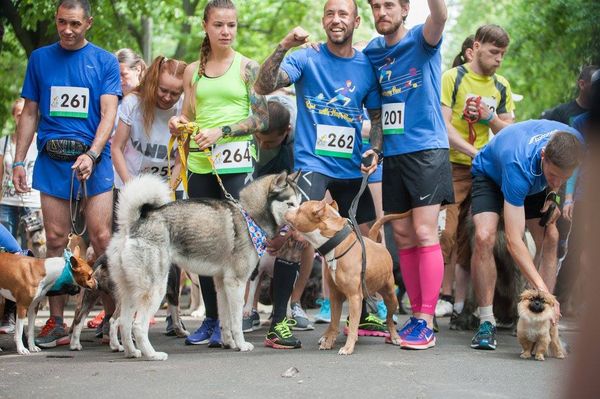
(318, 222)
(26, 281)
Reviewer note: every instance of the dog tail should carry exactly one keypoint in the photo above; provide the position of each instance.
(142, 193)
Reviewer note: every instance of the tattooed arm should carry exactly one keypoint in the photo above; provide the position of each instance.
(259, 118)
(271, 77)
(376, 140)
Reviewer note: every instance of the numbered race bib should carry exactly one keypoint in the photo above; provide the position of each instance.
(70, 102)
(335, 141)
(158, 169)
(393, 118)
(232, 157)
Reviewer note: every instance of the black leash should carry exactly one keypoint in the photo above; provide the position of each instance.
(366, 161)
(77, 209)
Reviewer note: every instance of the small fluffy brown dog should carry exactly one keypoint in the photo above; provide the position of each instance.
(317, 222)
(535, 330)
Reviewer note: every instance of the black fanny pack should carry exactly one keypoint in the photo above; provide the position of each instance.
(65, 150)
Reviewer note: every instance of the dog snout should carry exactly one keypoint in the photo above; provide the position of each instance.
(536, 306)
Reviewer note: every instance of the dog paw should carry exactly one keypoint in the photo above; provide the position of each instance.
(540, 357)
(76, 346)
(23, 351)
(346, 350)
(158, 356)
(525, 355)
(133, 354)
(117, 348)
(325, 344)
(246, 347)
(560, 355)
(181, 333)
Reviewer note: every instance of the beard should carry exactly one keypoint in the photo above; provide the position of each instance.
(389, 29)
(343, 40)
(486, 69)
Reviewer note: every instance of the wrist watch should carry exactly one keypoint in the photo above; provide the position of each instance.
(93, 155)
(226, 130)
(379, 156)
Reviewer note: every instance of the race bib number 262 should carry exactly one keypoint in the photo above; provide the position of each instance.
(70, 102)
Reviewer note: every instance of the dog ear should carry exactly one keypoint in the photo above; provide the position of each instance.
(279, 182)
(74, 262)
(76, 251)
(295, 176)
(334, 205)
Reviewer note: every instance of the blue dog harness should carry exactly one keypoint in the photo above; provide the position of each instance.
(66, 277)
(257, 234)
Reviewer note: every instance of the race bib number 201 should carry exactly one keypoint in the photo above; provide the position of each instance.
(70, 102)
(393, 118)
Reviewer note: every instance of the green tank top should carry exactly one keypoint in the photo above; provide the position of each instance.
(220, 101)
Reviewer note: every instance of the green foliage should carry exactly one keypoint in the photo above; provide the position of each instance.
(550, 41)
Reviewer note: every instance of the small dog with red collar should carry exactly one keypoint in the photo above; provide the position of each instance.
(26, 280)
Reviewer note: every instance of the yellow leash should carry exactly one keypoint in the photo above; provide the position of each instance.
(186, 131)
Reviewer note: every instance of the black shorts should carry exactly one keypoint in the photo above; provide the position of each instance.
(486, 196)
(205, 185)
(417, 179)
(313, 186)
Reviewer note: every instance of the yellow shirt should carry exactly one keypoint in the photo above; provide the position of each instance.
(461, 83)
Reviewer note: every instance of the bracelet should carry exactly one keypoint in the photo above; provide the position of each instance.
(569, 202)
(489, 118)
(15, 164)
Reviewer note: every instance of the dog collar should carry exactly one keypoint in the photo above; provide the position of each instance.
(335, 240)
(66, 277)
(257, 234)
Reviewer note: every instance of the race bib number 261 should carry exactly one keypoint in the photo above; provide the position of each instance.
(70, 102)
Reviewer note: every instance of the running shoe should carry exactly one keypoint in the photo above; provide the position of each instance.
(324, 315)
(203, 334)
(251, 322)
(370, 326)
(52, 335)
(485, 338)
(421, 337)
(280, 337)
(299, 320)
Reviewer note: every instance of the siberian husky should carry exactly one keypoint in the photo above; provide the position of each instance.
(209, 237)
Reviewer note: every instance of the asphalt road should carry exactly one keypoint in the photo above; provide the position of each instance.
(450, 370)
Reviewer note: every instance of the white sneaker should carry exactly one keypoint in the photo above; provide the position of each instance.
(443, 308)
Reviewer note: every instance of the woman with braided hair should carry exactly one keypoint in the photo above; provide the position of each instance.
(220, 100)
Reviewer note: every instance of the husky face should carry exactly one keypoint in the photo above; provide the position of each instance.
(283, 196)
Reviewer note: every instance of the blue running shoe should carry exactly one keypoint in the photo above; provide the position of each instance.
(420, 337)
(407, 328)
(485, 338)
(203, 334)
(324, 315)
(215, 338)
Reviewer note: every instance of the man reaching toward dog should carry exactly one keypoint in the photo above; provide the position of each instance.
(74, 86)
(328, 134)
(517, 175)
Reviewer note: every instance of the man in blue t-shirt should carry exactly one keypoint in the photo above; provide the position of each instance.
(416, 169)
(333, 83)
(517, 175)
(75, 87)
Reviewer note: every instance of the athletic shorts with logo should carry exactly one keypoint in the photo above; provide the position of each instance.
(417, 179)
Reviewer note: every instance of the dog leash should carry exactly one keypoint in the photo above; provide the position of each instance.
(352, 216)
(472, 119)
(81, 198)
(186, 131)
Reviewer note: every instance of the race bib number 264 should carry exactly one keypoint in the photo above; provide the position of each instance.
(70, 102)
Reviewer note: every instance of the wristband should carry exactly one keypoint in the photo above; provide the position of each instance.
(93, 156)
(489, 118)
(569, 202)
(15, 164)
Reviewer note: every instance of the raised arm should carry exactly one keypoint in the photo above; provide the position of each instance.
(434, 25)
(271, 77)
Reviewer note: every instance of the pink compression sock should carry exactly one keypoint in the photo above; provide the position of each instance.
(409, 266)
(431, 271)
